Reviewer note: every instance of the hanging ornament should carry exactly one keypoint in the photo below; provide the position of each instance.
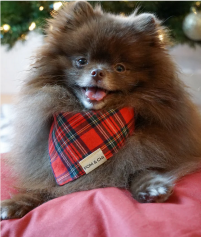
(192, 25)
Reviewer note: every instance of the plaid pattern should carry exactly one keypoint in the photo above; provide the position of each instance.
(74, 136)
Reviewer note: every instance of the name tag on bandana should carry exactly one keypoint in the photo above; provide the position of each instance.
(80, 142)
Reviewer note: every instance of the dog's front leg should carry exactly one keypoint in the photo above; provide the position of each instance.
(22, 203)
(152, 186)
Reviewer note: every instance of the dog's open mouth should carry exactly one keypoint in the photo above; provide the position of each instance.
(95, 93)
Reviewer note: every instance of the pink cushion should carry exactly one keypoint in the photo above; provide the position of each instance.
(7, 184)
(112, 212)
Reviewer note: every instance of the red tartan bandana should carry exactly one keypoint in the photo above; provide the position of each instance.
(74, 136)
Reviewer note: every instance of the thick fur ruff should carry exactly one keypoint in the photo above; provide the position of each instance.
(166, 143)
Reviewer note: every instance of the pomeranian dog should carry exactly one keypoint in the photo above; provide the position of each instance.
(97, 61)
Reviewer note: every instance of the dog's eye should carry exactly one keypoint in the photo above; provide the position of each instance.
(81, 61)
(119, 68)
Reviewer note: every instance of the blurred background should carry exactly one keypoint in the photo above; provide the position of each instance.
(21, 34)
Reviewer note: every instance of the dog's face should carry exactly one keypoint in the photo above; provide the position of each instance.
(103, 57)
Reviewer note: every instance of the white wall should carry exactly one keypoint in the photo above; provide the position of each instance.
(15, 62)
(189, 62)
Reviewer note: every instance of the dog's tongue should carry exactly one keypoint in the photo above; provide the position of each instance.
(95, 93)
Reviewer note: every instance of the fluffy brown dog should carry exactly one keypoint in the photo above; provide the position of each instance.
(98, 61)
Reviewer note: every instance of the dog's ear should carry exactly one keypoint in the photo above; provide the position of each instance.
(70, 16)
(151, 26)
(145, 21)
(82, 9)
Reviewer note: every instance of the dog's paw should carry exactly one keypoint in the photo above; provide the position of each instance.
(11, 210)
(154, 194)
(21, 204)
(152, 188)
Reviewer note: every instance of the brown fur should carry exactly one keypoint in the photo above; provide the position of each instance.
(167, 139)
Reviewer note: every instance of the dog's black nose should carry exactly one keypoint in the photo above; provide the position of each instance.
(98, 74)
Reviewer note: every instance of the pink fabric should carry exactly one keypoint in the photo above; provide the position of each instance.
(7, 184)
(112, 212)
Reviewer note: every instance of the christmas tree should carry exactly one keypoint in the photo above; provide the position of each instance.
(20, 17)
